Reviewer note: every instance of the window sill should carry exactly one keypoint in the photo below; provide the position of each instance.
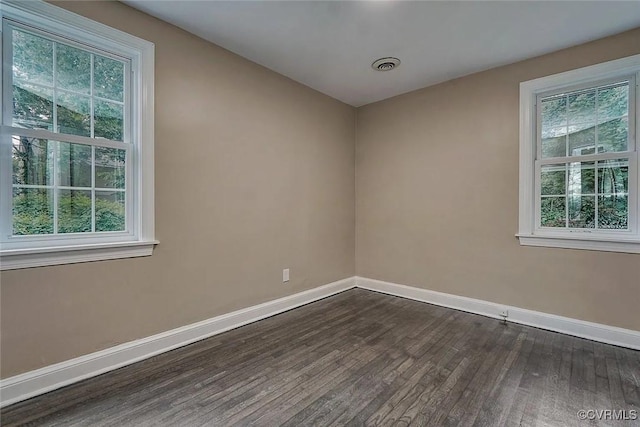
(14, 259)
(630, 246)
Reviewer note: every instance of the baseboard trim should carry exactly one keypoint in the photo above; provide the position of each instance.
(33, 383)
(594, 331)
(43, 380)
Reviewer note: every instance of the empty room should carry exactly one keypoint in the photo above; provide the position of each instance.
(320, 213)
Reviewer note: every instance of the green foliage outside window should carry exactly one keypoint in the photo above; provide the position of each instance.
(93, 179)
(33, 213)
(588, 122)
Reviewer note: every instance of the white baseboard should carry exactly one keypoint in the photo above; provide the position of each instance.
(579, 328)
(33, 383)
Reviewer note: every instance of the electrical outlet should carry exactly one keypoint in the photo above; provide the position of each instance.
(285, 275)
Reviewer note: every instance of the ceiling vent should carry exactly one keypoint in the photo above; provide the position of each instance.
(385, 64)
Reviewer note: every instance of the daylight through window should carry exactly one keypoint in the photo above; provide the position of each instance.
(584, 173)
(75, 182)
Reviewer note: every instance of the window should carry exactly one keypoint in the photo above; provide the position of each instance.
(579, 180)
(76, 180)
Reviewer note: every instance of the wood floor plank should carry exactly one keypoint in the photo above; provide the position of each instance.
(469, 402)
(547, 407)
(356, 358)
(429, 374)
(435, 403)
(496, 409)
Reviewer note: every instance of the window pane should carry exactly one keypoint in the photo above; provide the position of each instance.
(73, 69)
(553, 212)
(110, 212)
(613, 176)
(613, 212)
(32, 211)
(74, 165)
(582, 142)
(32, 58)
(554, 126)
(582, 211)
(73, 114)
(582, 108)
(108, 80)
(613, 123)
(110, 167)
(613, 102)
(108, 120)
(554, 112)
(582, 123)
(582, 178)
(74, 211)
(32, 106)
(553, 179)
(613, 135)
(554, 146)
(32, 161)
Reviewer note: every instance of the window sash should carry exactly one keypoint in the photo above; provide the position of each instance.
(129, 230)
(631, 137)
(631, 194)
(8, 26)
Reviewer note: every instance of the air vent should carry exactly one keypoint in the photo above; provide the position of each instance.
(385, 64)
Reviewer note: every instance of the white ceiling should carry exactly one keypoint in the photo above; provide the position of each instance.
(330, 45)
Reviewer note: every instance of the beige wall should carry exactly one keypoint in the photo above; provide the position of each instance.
(254, 173)
(437, 198)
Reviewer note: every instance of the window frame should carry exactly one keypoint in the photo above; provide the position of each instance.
(530, 232)
(139, 238)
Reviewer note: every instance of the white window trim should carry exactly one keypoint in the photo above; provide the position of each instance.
(141, 52)
(527, 233)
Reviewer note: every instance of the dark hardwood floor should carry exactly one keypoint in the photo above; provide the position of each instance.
(358, 358)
